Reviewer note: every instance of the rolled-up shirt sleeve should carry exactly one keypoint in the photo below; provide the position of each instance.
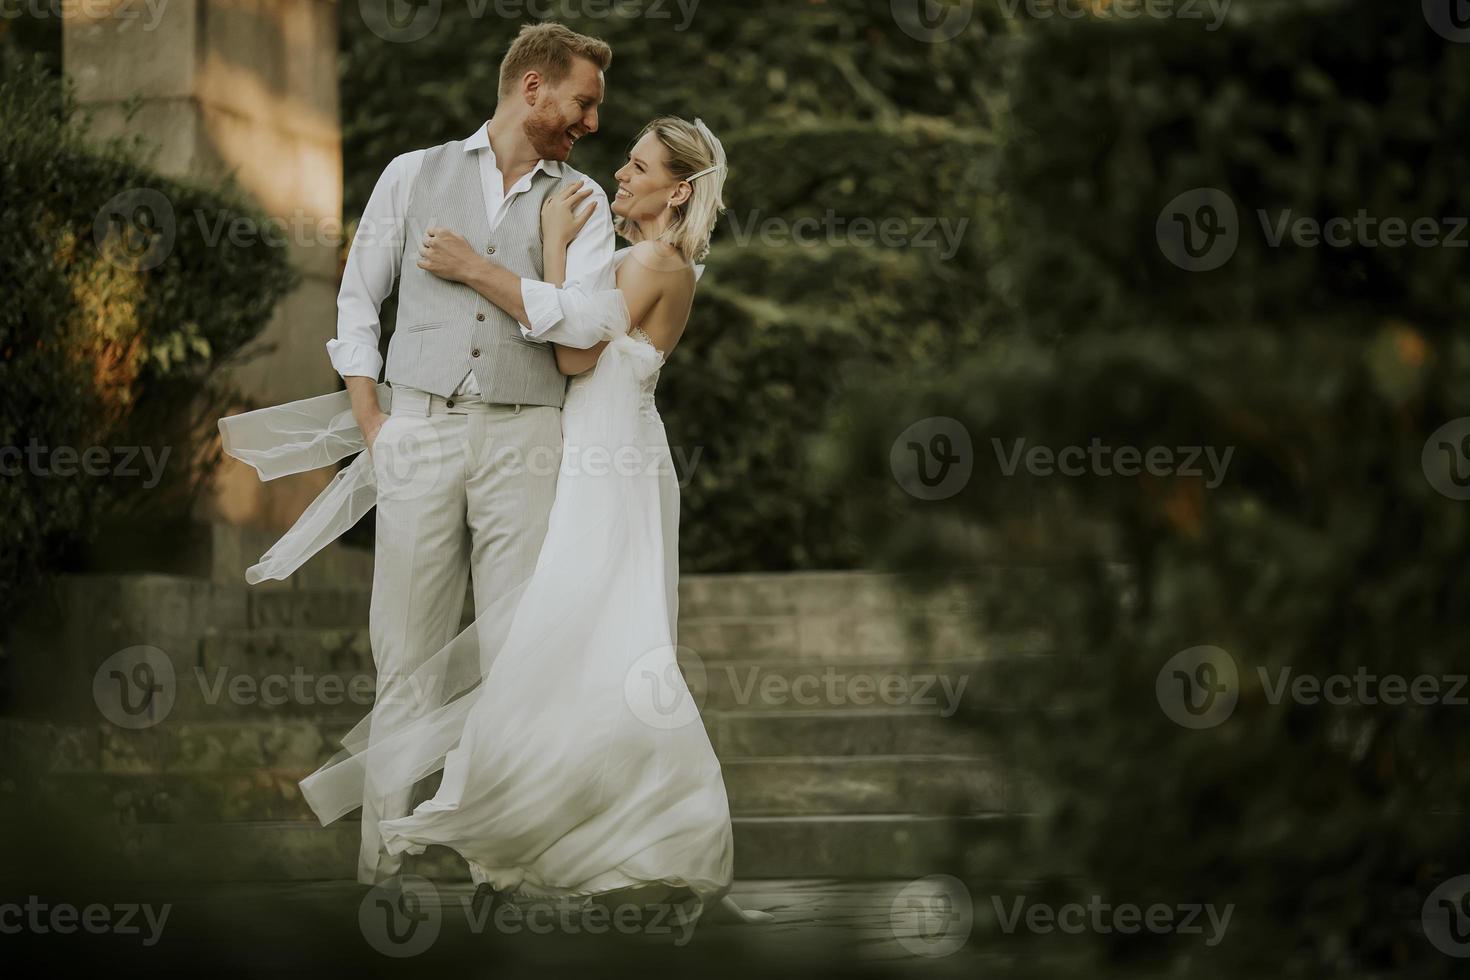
(574, 314)
(355, 360)
(373, 264)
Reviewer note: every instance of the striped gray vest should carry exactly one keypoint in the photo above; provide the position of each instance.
(446, 329)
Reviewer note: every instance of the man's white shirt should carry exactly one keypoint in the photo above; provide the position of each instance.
(375, 259)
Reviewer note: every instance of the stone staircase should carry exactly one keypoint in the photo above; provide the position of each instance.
(823, 694)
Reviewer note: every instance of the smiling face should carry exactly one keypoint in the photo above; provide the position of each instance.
(645, 184)
(565, 112)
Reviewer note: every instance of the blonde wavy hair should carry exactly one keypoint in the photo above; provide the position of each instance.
(695, 155)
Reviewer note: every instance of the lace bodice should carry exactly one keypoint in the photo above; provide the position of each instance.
(647, 406)
(650, 382)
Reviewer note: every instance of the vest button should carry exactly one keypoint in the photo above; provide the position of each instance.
(475, 352)
(489, 249)
(479, 316)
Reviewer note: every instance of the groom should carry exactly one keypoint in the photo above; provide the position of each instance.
(470, 383)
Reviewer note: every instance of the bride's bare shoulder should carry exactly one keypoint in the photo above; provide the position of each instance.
(658, 261)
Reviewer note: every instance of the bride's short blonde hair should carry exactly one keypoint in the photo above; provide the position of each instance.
(695, 155)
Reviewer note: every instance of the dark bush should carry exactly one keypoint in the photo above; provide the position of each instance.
(1335, 544)
(118, 313)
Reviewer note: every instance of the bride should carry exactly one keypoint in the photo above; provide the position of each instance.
(574, 761)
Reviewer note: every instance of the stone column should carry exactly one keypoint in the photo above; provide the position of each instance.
(249, 88)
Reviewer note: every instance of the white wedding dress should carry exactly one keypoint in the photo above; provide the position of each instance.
(581, 767)
(574, 759)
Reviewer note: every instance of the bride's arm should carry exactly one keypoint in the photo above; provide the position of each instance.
(569, 360)
(560, 224)
(572, 361)
(648, 277)
(569, 314)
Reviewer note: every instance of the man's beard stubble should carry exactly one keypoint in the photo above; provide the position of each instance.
(546, 133)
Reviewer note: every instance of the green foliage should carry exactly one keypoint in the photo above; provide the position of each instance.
(29, 35)
(829, 112)
(100, 347)
(1322, 114)
(1327, 549)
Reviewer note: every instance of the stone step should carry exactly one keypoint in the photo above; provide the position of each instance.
(330, 674)
(310, 608)
(69, 633)
(178, 746)
(806, 786)
(756, 787)
(875, 846)
(348, 651)
(337, 566)
(849, 732)
(813, 596)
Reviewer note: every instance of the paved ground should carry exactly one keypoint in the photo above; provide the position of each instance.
(821, 928)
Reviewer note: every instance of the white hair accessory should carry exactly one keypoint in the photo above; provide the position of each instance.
(707, 170)
(715, 148)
